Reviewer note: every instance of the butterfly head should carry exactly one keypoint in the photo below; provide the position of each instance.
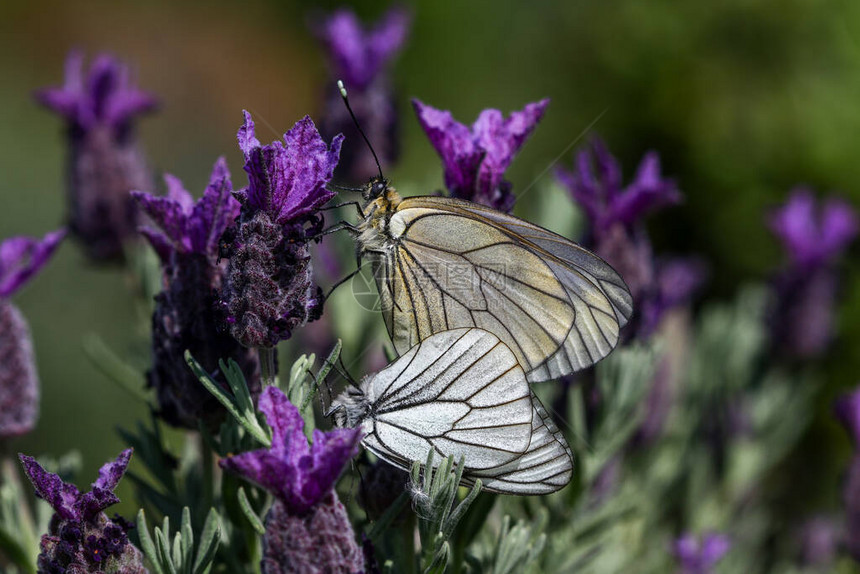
(375, 188)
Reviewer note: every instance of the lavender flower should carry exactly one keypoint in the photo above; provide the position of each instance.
(81, 538)
(819, 540)
(270, 290)
(616, 213)
(699, 555)
(676, 282)
(20, 259)
(802, 318)
(105, 161)
(474, 160)
(359, 57)
(307, 525)
(847, 409)
(187, 314)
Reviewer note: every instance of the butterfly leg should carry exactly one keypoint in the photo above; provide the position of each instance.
(339, 226)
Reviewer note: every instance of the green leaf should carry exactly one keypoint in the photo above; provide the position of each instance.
(114, 368)
(240, 405)
(210, 540)
(249, 512)
(187, 540)
(146, 543)
(321, 375)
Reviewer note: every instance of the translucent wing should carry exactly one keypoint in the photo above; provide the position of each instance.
(546, 466)
(459, 392)
(457, 264)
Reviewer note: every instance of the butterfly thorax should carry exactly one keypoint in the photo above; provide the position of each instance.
(350, 408)
(375, 232)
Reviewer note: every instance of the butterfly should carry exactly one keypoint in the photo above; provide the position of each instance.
(460, 392)
(442, 263)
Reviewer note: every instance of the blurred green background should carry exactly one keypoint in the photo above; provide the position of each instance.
(743, 99)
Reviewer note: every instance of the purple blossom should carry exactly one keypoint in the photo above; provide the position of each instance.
(80, 535)
(847, 409)
(475, 159)
(19, 383)
(803, 313)
(104, 160)
(270, 290)
(699, 555)
(183, 226)
(106, 96)
(319, 541)
(66, 500)
(676, 282)
(287, 180)
(813, 235)
(22, 257)
(188, 315)
(298, 474)
(358, 56)
(604, 199)
(819, 539)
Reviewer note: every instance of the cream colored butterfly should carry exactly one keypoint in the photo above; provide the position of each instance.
(443, 263)
(460, 392)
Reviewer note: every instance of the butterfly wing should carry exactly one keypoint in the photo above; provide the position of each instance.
(460, 392)
(546, 466)
(457, 264)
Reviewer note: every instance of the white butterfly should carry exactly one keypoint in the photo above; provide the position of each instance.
(460, 392)
(443, 263)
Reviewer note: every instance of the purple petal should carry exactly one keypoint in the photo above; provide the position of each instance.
(284, 419)
(246, 136)
(330, 452)
(501, 138)
(298, 474)
(357, 56)
(162, 245)
(847, 409)
(453, 142)
(107, 95)
(714, 547)
(214, 212)
(110, 473)
(95, 501)
(22, 257)
(648, 192)
(839, 226)
(608, 168)
(310, 164)
(168, 214)
(679, 278)
(62, 496)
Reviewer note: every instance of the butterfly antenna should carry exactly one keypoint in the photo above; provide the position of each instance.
(342, 89)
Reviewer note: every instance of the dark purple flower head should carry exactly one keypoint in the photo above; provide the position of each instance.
(19, 384)
(66, 500)
(814, 235)
(22, 257)
(847, 409)
(287, 180)
(603, 197)
(188, 315)
(185, 226)
(698, 555)
(104, 159)
(475, 159)
(298, 474)
(358, 56)
(106, 96)
(270, 290)
(803, 313)
(321, 540)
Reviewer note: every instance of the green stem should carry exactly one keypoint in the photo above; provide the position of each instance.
(268, 370)
(208, 472)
